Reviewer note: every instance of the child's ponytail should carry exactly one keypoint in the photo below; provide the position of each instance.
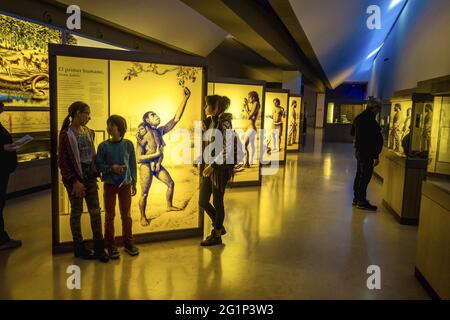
(73, 108)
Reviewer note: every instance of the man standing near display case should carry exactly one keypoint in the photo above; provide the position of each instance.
(8, 161)
(368, 145)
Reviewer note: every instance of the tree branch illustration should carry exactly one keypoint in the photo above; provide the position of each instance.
(184, 74)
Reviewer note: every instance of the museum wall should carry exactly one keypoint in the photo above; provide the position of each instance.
(415, 49)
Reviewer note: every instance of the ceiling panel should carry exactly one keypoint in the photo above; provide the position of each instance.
(339, 36)
(168, 21)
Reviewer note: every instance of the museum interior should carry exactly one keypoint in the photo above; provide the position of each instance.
(297, 77)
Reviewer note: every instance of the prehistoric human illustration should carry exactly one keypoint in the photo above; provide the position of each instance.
(292, 130)
(273, 142)
(150, 155)
(24, 62)
(407, 123)
(394, 135)
(251, 110)
(426, 133)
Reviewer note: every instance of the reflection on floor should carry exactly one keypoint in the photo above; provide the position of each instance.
(296, 237)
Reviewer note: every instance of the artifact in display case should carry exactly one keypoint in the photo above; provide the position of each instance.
(383, 119)
(343, 113)
(438, 137)
(294, 121)
(410, 127)
(24, 80)
(162, 104)
(35, 126)
(339, 118)
(275, 125)
(406, 160)
(246, 100)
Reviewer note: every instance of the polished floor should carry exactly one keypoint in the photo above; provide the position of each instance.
(296, 237)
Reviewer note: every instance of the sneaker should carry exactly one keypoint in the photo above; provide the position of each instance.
(113, 253)
(99, 251)
(132, 250)
(11, 244)
(366, 206)
(211, 241)
(82, 250)
(223, 231)
(355, 202)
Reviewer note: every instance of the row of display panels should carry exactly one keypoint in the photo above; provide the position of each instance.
(419, 126)
(133, 84)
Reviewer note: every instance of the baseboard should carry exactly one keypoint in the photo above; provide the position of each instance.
(25, 192)
(426, 285)
(401, 220)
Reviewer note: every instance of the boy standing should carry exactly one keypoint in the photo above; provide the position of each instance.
(116, 161)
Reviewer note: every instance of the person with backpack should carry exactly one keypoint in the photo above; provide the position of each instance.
(76, 160)
(218, 171)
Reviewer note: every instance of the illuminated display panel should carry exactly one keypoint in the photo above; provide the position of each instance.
(246, 107)
(131, 89)
(294, 129)
(400, 121)
(24, 78)
(439, 154)
(160, 89)
(275, 125)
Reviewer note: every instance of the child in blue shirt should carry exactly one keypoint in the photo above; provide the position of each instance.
(116, 161)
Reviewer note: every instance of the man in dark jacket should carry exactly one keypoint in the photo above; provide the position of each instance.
(368, 146)
(8, 163)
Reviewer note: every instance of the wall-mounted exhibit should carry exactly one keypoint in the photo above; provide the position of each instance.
(406, 156)
(24, 62)
(294, 123)
(247, 99)
(275, 125)
(148, 92)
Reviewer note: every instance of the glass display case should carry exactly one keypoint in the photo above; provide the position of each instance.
(410, 125)
(33, 123)
(247, 99)
(339, 116)
(438, 137)
(383, 119)
(343, 113)
(406, 155)
(141, 88)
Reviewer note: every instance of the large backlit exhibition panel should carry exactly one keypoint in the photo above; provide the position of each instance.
(134, 85)
(439, 153)
(247, 99)
(294, 123)
(275, 125)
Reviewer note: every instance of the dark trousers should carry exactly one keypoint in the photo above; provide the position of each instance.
(92, 201)
(110, 194)
(4, 178)
(215, 211)
(363, 175)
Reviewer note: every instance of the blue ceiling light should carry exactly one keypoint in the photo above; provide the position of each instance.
(374, 52)
(394, 3)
